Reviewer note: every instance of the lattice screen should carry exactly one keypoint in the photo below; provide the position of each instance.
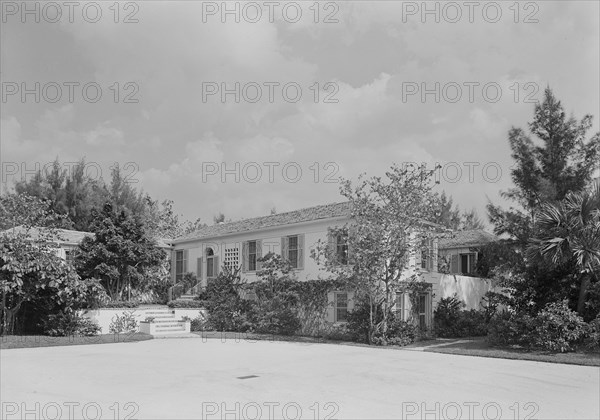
(232, 257)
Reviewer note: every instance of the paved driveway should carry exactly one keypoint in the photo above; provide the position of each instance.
(197, 378)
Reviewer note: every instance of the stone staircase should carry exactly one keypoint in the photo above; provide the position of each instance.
(165, 321)
(186, 297)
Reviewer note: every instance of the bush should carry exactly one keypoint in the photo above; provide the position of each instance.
(123, 324)
(592, 339)
(401, 333)
(71, 323)
(275, 317)
(118, 304)
(193, 304)
(558, 328)
(452, 321)
(507, 328)
(198, 323)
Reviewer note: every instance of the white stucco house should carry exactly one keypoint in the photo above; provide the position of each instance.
(293, 235)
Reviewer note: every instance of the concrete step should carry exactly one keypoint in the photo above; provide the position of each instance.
(170, 329)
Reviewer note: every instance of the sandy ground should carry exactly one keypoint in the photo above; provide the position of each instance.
(198, 378)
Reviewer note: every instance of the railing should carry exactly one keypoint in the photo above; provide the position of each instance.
(175, 291)
(195, 290)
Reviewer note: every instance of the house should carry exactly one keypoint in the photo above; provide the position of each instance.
(460, 252)
(293, 235)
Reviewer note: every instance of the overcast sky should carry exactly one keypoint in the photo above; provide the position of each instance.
(360, 68)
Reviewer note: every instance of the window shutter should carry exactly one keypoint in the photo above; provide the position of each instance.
(351, 234)
(173, 265)
(435, 255)
(454, 263)
(284, 247)
(351, 301)
(186, 256)
(406, 306)
(301, 252)
(199, 269)
(245, 257)
(258, 254)
(216, 265)
(418, 255)
(330, 307)
(331, 247)
(428, 310)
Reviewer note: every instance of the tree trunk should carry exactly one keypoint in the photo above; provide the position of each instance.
(585, 283)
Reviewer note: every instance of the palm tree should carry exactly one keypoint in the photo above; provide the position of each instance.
(570, 230)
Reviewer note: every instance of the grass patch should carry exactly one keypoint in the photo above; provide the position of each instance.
(31, 341)
(480, 348)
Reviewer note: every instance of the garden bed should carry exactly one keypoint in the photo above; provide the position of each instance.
(30, 341)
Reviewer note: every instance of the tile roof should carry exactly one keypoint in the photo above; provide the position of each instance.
(466, 238)
(325, 211)
(64, 236)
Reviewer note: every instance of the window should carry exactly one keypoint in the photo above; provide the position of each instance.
(210, 264)
(427, 255)
(232, 257)
(292, 250)
(467, 263)
(179, 265)
(422, 310)
(339, 245)
(252, 256)
(341, 306)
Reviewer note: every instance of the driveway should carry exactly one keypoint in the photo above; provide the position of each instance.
(199, 378)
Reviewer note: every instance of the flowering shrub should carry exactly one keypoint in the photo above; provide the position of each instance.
(557, 328)
(65, 324)
(125, 323)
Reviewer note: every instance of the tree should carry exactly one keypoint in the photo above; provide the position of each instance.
(390, 224)
(219, 218)
(470, 220)
(447, 214)
(119, 254)
(569, 232)
(545, 171)
(31, 272)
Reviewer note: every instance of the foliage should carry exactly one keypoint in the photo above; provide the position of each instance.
(592, 340)
(124, 324)
(227, 310)
(399, 333)
(510, 328)
(557, 328)
(198, 323)
(451, 320)
(389, 226)
(70, 323)
(120, 304)
(275, 316)
(452, 218)
(183, 304)
(189, 280)
(568, 232)
(119, 253)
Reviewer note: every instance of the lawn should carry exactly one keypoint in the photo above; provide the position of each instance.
(480, 348)
(29, 341)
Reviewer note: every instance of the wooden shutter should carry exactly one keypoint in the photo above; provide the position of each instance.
(284, 247)
(435, 255)
(186, 256)
(331, 247)
(173, 266)
(350, 301)
(245, 257)
(330, 307)
(199, 269)
(351, 233)
(216, 266)
(454, 263)
(258, 254)
(301, 252)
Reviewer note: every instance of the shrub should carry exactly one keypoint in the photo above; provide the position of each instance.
(118, 304)
(71, 323)
(193, 304)
(452, 321)
(592, 340)
(198, 323)
(125, 323)
(558, 328)
(401, 333)
(275, 317)
(507, 328)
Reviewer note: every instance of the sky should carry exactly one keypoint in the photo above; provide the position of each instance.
(242, 107)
